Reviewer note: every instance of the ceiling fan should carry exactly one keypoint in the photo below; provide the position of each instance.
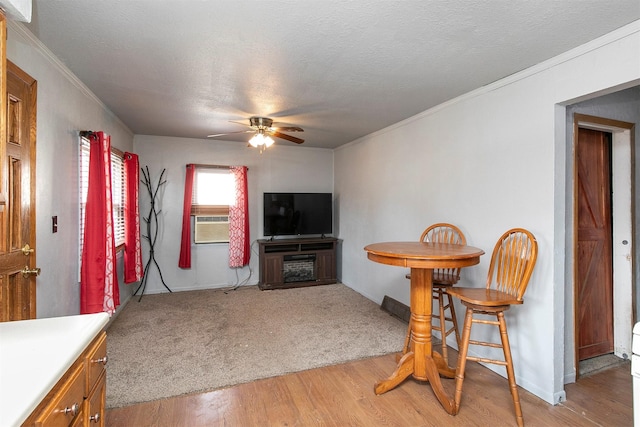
(263, 129)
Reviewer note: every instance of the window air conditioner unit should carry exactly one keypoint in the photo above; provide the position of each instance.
(211, 229)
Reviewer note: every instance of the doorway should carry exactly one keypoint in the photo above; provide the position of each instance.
(603, 238)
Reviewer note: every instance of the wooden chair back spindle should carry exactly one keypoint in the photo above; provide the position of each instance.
(444, 233)
(512, 262)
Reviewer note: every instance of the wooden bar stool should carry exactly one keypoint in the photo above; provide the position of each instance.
(512, 262)
(443, 278)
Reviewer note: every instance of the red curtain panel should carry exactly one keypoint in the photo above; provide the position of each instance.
(99, 290)
(185, 243)
(239, 238)
(132, 245)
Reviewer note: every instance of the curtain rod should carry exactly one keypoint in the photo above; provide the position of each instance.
(198, 165)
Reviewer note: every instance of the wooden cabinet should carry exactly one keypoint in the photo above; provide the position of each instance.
(78, 399)
(94, 405)
(66, 404)
(270, 270)
(326, 265)
(96, 384)
(294, 263)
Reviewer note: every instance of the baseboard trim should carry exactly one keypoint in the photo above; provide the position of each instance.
(396, 308)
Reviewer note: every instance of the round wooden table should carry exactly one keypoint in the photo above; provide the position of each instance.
(422, 361)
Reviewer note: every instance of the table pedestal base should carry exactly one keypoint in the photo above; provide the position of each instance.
(435, 367)
(421, 361)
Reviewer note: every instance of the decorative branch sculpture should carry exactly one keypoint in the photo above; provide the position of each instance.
(152, 227)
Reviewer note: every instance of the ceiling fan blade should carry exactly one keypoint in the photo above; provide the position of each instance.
(288, 129)
(228, 133)
(287, 137)
(285, 127)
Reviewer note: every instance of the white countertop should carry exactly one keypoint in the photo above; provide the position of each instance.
(35, 354)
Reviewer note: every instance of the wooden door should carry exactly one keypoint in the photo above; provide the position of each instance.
(18, 269)
(594, 280)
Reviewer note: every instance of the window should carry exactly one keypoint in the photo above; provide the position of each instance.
(214, 190)
(117, 190)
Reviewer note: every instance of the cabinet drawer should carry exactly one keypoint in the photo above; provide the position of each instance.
(67, 403)
(96, 360)
(94, 405)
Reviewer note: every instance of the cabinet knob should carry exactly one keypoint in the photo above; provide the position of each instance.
(73, 410)
(95, 418)
(102, 360)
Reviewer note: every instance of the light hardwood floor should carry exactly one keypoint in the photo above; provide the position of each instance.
(342, 395)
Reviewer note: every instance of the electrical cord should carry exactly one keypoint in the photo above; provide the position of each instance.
(246, 280)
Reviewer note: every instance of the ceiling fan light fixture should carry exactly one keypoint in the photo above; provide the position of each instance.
(263, 130)
(268, 141)
(260, 139)
(256, 140)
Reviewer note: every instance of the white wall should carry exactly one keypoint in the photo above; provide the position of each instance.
(279, 168)
(65, 106)
(487, 161)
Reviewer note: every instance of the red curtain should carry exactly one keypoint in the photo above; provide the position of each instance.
(185, 243)
(99, 290)
(239, 239)
(132, 245)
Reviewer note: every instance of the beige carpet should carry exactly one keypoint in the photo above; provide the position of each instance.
(185, 342)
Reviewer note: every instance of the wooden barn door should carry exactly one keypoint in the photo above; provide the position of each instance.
(594, 248)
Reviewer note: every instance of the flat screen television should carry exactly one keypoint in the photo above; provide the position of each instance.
(298, 214)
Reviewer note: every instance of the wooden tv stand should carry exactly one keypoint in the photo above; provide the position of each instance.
(293, 263)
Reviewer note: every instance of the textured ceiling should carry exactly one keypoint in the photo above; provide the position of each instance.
(339, 69)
